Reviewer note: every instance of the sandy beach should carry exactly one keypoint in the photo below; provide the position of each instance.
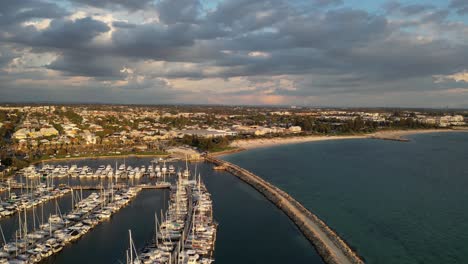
(397, 135)
(268, 142)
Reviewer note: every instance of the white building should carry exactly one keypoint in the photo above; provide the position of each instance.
(49, 131)
(89, 137)
(295, 129)
(21, 133)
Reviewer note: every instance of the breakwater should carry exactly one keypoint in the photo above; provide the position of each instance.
(400, 139)
(328, 244)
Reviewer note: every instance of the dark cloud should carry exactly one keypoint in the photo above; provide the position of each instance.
(435, 17)
(179, 11)
(127, 4)
(460, 5)
(85, 64)
(155, 41)
(336, 29)
(63, 33)
(324, 48)
(323, 3)
(6, 56)
(18, 11)
(245, 15)
(121, 24)
(407, 9)
(416, 9)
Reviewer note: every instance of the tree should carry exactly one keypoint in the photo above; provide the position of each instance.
(58, 127)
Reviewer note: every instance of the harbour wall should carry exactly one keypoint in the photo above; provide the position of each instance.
(328, 244)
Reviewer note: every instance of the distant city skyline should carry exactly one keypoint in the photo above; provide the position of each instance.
(236, 52)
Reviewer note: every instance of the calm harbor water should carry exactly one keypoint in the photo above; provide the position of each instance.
(394, 202)
(251, 229)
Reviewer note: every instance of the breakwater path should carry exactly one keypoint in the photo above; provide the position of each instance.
(328, 244)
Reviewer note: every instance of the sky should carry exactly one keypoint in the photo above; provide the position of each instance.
(351, 53)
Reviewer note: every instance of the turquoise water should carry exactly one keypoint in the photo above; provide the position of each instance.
(251, 229)
(394, 202)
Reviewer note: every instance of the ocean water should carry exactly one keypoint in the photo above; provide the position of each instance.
(251, 229)
(394, 202)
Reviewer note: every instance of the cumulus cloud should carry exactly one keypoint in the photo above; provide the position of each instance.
(457, 77)
(286, 50)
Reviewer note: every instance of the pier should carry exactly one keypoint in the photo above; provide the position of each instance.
(329, 245)
(399, 139)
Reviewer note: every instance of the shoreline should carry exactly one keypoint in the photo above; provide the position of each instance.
(395, 135)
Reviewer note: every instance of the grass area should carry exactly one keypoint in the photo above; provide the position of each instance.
(97, 155)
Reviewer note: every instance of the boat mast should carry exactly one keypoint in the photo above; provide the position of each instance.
(195, 174)
(20, 224)
(25, 230)
(42, 212)
(156, 229)
(50, 226)
(34, 218)
(21, 183)
(131, 242)
(3, 235)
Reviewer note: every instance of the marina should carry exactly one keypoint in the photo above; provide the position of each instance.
(190, 208)
(187, 232)
(35, 194)
(60, 230)
(237, 223)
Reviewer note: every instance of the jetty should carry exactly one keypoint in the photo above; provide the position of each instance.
(328, 244)
(396, 138)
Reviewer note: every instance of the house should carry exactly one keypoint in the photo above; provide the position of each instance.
(206, 133)
(21, 133)
(49, 131)
(295, 129)
(89, 137)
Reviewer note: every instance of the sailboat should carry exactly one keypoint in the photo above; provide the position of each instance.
(131, 252)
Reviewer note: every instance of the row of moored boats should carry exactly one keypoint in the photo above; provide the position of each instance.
(49, 238)
(34, 195)
(120, 172)
(187, 232)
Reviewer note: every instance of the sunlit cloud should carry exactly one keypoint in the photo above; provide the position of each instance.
(235, 52)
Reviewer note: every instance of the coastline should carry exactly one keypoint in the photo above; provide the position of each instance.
(395, 135)
(400, 135)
